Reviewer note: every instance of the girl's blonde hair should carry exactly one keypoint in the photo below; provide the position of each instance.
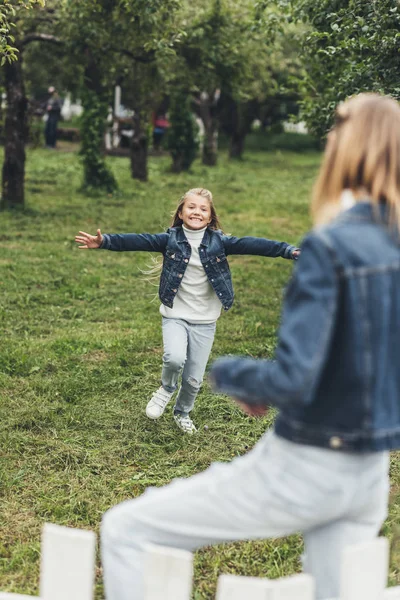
(176, 220)
(362, 155)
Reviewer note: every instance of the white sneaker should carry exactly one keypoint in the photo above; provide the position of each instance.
(185, 423)
(159, 400)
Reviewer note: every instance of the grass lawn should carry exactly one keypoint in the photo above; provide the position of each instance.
(81, 353)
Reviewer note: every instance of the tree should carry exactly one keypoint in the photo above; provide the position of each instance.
(233, 56)
(351, 46)
(111, 38)
(31, 28)
(88, 29)
(266, 86)
(182, 139)
(209, 55)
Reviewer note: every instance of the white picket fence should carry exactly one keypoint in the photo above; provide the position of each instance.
(68, 568)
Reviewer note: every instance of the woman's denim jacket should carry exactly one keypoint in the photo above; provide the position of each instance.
(213, 250)
(336, 378)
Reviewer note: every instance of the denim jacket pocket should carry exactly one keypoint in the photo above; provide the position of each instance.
(173, 255)
(220, 262)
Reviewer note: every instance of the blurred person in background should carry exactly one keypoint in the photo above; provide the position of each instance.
(53, 112)
(160, 125)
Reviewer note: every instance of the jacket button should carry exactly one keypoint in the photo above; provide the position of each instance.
(186, 260)
(220, 294)
(335, 442)
(212, 279)
(175, 291)
(180, 275)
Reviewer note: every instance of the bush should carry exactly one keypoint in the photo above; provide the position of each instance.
(182, 139)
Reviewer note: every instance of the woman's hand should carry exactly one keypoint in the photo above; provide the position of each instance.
(89, 241)
(252, 411)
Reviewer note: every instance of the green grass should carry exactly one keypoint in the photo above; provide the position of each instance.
(270, 141)
(81, 353)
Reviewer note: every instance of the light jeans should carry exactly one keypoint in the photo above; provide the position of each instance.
(277, 489)
(187, 348)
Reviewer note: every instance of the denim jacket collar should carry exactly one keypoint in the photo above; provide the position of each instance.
(364, 210)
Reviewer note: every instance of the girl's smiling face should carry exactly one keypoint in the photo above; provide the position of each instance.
(196, 212)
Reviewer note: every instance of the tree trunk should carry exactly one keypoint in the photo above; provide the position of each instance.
(210, 146)
(177, 163)
(207, 110)
(236, 119)
(15, 134)
(138, 152)
(236, 144)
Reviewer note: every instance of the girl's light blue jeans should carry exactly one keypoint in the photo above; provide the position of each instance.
(187, 348)
(279, 488)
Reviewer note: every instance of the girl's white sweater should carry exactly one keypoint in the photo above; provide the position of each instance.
(195, 301)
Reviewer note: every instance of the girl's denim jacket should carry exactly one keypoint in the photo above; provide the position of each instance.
(214, 248)
(336, 377)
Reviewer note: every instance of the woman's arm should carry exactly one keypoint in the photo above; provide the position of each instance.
(259, 247)
(307, 324)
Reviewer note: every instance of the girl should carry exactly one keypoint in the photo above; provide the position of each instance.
(195, 284)
(336, 380)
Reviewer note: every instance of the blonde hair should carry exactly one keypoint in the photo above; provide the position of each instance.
(362, 155)
(177, 221)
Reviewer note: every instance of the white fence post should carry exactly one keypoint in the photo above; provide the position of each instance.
(168, 574)
(67, 563)
(364, 570)
(235, 587)
(68, 559)
(392, 593)
(297, 587)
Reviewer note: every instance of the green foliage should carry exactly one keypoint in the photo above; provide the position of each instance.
(271, 140)
(113, 40)
(45, 65)
(92, 127)
(9, 10)
(182, 137)
(239, 47)
(351, 46)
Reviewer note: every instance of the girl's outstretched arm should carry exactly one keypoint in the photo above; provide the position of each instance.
(123, 242)
(88, 241)
(259, 247)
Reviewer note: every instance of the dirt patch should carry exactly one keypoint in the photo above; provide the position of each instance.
(95, 357)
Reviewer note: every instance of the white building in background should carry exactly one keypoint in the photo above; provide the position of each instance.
(71, 109)
(295, 127)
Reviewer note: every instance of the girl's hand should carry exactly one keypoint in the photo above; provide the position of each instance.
(89, 241)
(296, 254)
(252, 411)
